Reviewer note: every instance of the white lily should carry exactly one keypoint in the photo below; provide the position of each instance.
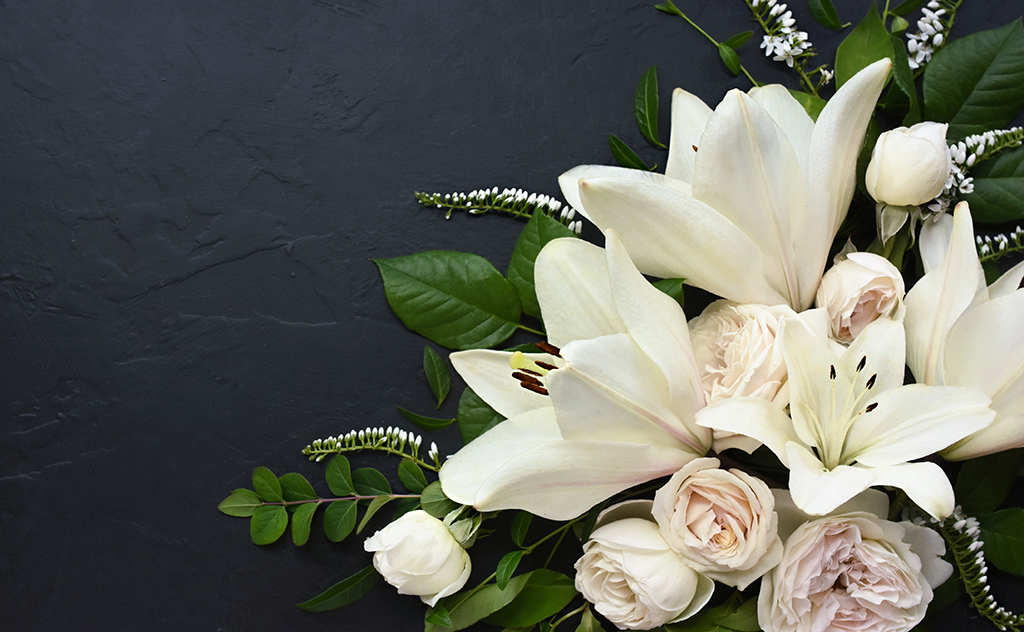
(752, 214)
(854, 425)
(962, 333)
(616, 410)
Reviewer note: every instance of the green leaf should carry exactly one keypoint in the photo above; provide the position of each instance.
(340, 519)
(907, 7)
(898, 25)
(626, 156)
(536, 234)
(438, 615)
(976, 82)
(903, 76)
(370, 482)
(812, 105)
(589, 623)
(545, 594)
(426, 423)
(741, 619)
(1003, 535)
(438, 376)
(374, 507)
(520, 526)
(294, 486)
(343, 593)
(731, 59)
(475, 416)
(412, 476)
(301, 521)
(506, 568)
(998, 188)
(738, 39)
(672, 287)
(455, 299)
(268, 524)
(824, 13)
(984, 483)
(339, 476)
(435, 503)
(240, 504)
(865, 45)
(645, 106)
(266, 485)
(404, 506)
(864, 157)
(480, 604)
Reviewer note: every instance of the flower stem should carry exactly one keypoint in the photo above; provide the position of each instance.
(318, 501)
(575, 612)
(668, 7)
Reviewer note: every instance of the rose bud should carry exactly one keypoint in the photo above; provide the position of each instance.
(858, 290)
(909, 166)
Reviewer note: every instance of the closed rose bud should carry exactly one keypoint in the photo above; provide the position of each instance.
(909, 166)
(857, 291)
(419, 556)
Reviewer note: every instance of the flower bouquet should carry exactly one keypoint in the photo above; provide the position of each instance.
(828, 445)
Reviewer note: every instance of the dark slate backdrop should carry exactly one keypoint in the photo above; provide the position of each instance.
(191, 195)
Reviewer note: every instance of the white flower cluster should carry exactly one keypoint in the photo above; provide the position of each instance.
(515, 202)
(964, 155)
(929, 36)
(390, 438)
(990, 245)
(784, 41)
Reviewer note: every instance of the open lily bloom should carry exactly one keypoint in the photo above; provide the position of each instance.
(962, 333)
(615, 410)
(752, 214)
(854, 425)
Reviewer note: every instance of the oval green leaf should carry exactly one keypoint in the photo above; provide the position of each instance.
(343, 593)
(266, 485)
(545, 594)
(412, 476)
(998, 188)
(865, 45)
(626, 156)
(520, 526)
(426, 423)
(339, 476)
(983, 483)
(294, 486)
(455, 299)
(906, 7)
(589, 623)
(731, 59)
(370, 482)
(339, 519)
(824, 13)
(1003, 535)
(439, 378)
(464, 611)
(374, 507)
(738, 39)
(240, 504)
(267, 524)
(435, 503)
(438, 615)
(302, 519)
(645, 106)
(536, 234)
(976, 82)
(506, 568)
(475, 416)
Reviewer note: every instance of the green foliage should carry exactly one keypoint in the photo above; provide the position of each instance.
(589, 623)
(672, 287)
(733, 615)
(903, 77)
(825, 14)
(866, 44)
(340, 519)
(536, 234)
(983, 483)
(266, 485)
(645, 106)
(438, 376)
(475, 416)
(738, 40)
(430, 424)
(438, 615)
(241, 503)
(626, 156)
(1003, 535)
(976, 82)
(506, 568)
(412, 476)
(520, 526)
(343, 593)
(268, 523)
(812, 104)
(295, 487)
(998, 188)
(455, 299)
(546, 592)
(374, 507)
(370, 482)
(908, 6)
(339, 476)
(464, 611)
(302, 520)
(730, 58)
(435, 503)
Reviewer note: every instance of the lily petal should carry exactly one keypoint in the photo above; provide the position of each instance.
(812, 388)
(1008, 283)
(787, 112)
(925, 483)
(872, 501)
(689, 117)
(817, 490)
(752, 417)
(882, 346)
(569, 182)
(489, 375)
(574, 292)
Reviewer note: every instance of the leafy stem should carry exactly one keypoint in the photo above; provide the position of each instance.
(669, 7)
(320, 501)
(562, 619)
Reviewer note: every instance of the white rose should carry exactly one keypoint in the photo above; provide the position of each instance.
(909, 166)
(632, 576)
(419, 556)
(856, 291)
(852, 571)
(722, 522)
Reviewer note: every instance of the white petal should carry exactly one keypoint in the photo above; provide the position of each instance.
(832, 168)
(753, 417)
(1008, 283)
(1005, 433)
(925, 483)
(689, 116)
(915, 421)
(790, 116)
(872, 501)
(934, 240)
(819, 491)
(812, 388)
(574, 293)
(748, 171)
(882, 346)
(939, 298)
(569, 181)
(928, 545)
(669, 234)
(489, 375)
(701, 596)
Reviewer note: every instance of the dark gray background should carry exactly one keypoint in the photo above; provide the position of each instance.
(191, 193)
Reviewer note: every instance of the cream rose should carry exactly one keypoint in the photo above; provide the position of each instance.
(858, 290)
(854, 572)
(722, 522)
(419, 556)
(909, 166)
(632, 576)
